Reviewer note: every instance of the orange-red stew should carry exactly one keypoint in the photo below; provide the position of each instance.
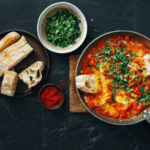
(122, 84)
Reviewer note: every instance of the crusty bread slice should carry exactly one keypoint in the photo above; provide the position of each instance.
(9, 83)
(147, 64)
(15, 57)
(22, 41)
(9, 39)
(86, 83)
(32, 75)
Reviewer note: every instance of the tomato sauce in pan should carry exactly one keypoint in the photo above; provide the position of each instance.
(121, 81)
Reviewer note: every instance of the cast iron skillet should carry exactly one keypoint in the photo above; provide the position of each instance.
(38, 54)
(137, 36)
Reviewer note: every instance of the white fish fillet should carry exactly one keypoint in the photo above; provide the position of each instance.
(13, 58)
(9, 83)
(86, 83)
(12, 48)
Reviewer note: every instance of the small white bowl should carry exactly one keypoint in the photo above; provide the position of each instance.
(50, 11)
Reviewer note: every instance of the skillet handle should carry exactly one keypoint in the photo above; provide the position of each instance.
(148, 119)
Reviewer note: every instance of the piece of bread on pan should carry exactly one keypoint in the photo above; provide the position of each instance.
(14, 58)
(9, 39)
(33, 74)
(20, 43)
(9, 83)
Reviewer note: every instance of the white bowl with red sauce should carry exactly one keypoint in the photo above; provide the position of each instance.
(48, 93)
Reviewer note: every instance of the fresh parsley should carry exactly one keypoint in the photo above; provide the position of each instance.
(62, 29)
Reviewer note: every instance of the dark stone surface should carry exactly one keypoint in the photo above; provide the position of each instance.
(26, 125)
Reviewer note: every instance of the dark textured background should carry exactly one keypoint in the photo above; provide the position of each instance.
(26, 125)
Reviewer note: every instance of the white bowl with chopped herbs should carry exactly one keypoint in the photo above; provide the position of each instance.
(62, 27)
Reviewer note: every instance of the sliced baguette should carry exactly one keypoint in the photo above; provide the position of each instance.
(12, 48)
(9, 83)
(86, 83)
(147, 64)
(9, 39)
(32, 75)
(15, 57)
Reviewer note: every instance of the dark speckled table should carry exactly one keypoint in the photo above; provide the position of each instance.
(26, 125)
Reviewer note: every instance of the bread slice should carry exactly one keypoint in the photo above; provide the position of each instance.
(147, 63)
(15, 57)
(86, 83)
(9, 83)
(12, 48)
(9, 39)
(32, 75)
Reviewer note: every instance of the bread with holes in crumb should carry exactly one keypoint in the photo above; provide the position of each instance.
(33, 74)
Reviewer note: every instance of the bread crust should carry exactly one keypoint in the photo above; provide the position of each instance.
(8, 40)
(15, 57)
(20, 43)
(9, 83)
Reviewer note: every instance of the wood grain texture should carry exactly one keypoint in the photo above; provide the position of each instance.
(76, 105)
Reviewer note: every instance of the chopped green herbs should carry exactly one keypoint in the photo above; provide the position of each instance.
(145, 78)
(96, 30)
(80, 72)
(114, 101)
(62, 29)
(140, 70)
(128, 90)
(145, 98)
(97, 65)
(123, 84)
(89, 66)
(141, 88)
(116, 65)
(121, 61)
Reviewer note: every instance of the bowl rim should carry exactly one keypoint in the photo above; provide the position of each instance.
(82, 39)
(56, 106)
